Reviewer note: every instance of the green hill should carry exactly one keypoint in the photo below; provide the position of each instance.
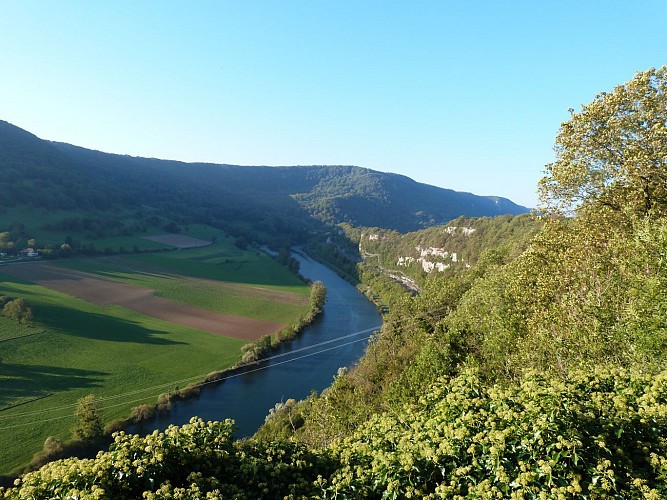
(257, 202)
(448, 248)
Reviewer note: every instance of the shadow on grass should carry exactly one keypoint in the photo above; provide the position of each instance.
(13, 290)
(99, 326)
(258, 270)
(30, 381)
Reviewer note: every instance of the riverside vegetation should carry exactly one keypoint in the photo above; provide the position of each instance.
(90, 432)
(536, 373)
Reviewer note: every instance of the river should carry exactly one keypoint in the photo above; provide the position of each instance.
(336, 339)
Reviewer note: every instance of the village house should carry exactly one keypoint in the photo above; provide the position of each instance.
(28, 252)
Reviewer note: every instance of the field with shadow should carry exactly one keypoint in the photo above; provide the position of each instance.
(75, 347)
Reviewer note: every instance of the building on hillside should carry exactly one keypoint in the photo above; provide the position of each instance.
(28, 252)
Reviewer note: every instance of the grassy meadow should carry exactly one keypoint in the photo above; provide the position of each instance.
(40, 224)
(220, 277)
(74, 348)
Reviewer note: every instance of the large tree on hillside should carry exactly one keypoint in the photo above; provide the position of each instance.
(591, 289)
(613, 153)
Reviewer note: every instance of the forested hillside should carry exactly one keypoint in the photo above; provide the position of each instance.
(537, 372)
(330, 194)
(259, 203)
(588, 292)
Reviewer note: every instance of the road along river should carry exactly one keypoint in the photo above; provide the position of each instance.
(336, 339)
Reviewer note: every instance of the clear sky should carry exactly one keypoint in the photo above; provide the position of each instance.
(462, 95)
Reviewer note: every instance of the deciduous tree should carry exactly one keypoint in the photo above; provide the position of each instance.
(18, 310)
(89, 421)
(613, 153)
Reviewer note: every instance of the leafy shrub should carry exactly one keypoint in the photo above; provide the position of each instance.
(18, 310)
(595, 435)
(143, 413)
(89, 420)
(182, 462)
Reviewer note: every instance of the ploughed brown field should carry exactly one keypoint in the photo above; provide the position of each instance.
(102, 291)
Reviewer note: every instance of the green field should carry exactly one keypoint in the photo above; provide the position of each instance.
(37, 220)
(223, 261)
(10, 330)
(74, 348)
(212, 278)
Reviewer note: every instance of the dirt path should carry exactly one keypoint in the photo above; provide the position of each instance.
(102, 291)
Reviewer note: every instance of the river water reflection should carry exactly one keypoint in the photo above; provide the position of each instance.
(309, 362)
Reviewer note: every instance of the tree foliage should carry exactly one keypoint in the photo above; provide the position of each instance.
(187, 462)
(590, 289)
(17, 309)
(89, 420)
(613, 153)
(592, 436)
(455, 246)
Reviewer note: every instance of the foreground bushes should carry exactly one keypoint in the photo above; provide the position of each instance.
(601, 435)
(185, 462)
(593, 436)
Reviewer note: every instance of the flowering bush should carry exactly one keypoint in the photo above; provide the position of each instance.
(601, 435)
(595, 435)
(197, 460)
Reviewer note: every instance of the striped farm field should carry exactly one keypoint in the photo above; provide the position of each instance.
(105, 291)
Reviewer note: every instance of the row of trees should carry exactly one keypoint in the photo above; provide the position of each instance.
(15, 237)
(285, 258)
(260, 348)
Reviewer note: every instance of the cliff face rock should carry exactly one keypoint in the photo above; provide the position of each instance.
(433, 258)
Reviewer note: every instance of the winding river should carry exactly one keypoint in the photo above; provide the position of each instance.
(336, 339)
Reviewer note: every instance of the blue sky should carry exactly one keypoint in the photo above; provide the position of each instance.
(461, 95)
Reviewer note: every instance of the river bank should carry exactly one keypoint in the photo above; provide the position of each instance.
(174, 395)
(309, 362)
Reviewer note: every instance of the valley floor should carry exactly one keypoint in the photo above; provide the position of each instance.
(102, 291)
(127, 329)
